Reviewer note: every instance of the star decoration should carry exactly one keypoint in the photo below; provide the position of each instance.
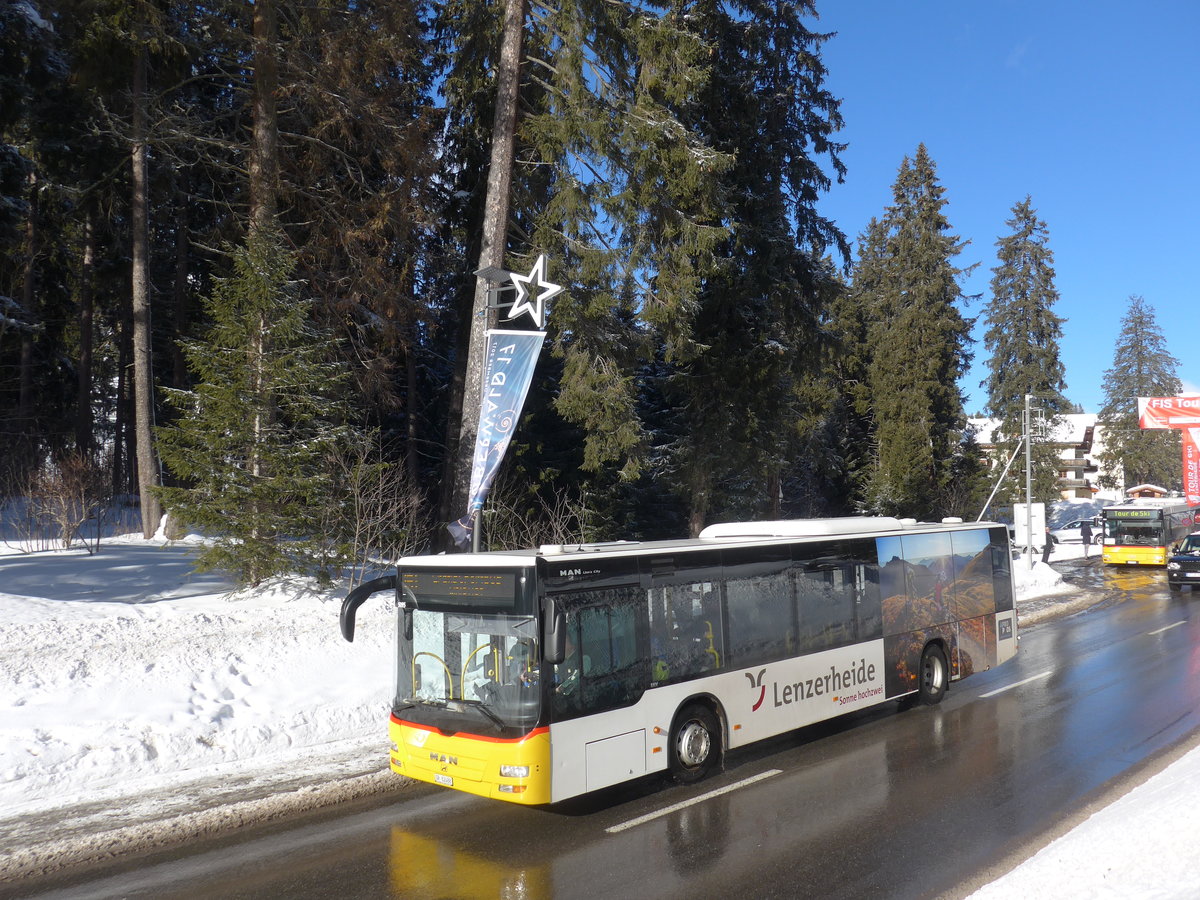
(533, 290)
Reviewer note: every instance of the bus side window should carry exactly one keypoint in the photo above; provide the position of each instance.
(870, 612)
(686, 630)
(762, 623)
(825, 598)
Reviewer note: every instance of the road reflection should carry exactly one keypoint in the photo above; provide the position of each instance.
(425, 866)
(716, 841)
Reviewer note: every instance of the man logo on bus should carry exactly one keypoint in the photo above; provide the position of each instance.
(756, 681)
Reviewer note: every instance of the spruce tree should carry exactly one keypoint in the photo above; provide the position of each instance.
(919, 344)
(748, 389)
(1142, 367)
(610, 182)
(850, 327)
(255, 436)
(1022, 336)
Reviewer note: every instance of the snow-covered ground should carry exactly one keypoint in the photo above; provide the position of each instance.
(133, 689)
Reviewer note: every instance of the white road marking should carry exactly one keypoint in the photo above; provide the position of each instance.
(649, 817)
(1017, 684)
(1168, 627)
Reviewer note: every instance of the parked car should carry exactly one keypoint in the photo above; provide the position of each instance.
(1183, 565)
(1072, 532)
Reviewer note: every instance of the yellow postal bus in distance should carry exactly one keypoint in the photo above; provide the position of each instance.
(1141, 532)
(539, 675)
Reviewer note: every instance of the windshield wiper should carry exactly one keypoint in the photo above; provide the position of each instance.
(478, 704)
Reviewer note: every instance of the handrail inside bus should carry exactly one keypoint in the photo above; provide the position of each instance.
(445, 670)
(357, 597)
(495, 664)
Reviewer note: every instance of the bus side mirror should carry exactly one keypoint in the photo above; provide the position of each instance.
(554, 629)
(357, 597)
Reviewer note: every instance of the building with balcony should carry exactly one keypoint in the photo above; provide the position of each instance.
(1079, 440)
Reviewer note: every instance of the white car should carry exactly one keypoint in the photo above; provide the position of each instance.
(1072, 532)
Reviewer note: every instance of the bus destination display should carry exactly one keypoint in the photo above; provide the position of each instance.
(494, 589)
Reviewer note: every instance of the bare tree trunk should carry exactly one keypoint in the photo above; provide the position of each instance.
(85, 438)
(179, 376)
(264, 150)
(495, 229)
(120, 480)
(143, 375)
(263, 166)
(774, 491)
(698, 507)
(410, 450)
(25, 415)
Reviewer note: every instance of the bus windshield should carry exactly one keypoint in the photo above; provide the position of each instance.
(462, 671)
(1135, 532)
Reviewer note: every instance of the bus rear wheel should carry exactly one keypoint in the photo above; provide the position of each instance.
(932, 677)
(695, 751)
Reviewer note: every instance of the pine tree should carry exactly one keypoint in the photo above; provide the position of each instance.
(759, 326)
(853, 416)
(918, 342)
(626, 198)
(33, 298)
(254, 437)
(1142, 367)
(609, 182)
(1023, 336)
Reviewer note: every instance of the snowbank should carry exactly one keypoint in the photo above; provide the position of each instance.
(125, 669)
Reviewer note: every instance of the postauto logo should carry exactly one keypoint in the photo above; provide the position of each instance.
(833, 684)
(756, 682)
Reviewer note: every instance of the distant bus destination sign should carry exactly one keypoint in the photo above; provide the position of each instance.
(1133, 513)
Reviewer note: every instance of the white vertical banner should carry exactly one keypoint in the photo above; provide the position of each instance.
(510, 358)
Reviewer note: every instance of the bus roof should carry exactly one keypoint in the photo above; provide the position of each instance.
(726, 535)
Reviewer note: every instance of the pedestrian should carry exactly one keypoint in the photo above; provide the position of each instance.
(1085, 535)
(1046, 547)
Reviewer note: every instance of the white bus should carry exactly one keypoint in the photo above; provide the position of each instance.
(534, 676)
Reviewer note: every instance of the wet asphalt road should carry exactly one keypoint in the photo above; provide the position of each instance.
(878, 804)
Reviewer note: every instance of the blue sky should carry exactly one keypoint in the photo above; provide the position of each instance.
(1092, 109)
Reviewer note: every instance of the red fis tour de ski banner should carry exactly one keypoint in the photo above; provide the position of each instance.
(1182, 413)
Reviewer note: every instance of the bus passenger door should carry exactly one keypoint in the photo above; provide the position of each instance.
(603, 674)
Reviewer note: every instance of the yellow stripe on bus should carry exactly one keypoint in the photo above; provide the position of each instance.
(473, 764)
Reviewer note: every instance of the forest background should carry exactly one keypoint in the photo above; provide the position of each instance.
(237, 246)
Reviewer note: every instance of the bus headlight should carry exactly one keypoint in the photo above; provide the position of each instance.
(514, 771)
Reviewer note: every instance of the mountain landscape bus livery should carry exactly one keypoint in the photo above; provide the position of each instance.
(1140, 532)
(538, 675)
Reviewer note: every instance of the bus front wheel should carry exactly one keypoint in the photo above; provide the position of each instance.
(932, 676)
(695, 750)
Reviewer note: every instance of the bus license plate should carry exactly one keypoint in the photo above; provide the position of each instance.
(444, 779)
